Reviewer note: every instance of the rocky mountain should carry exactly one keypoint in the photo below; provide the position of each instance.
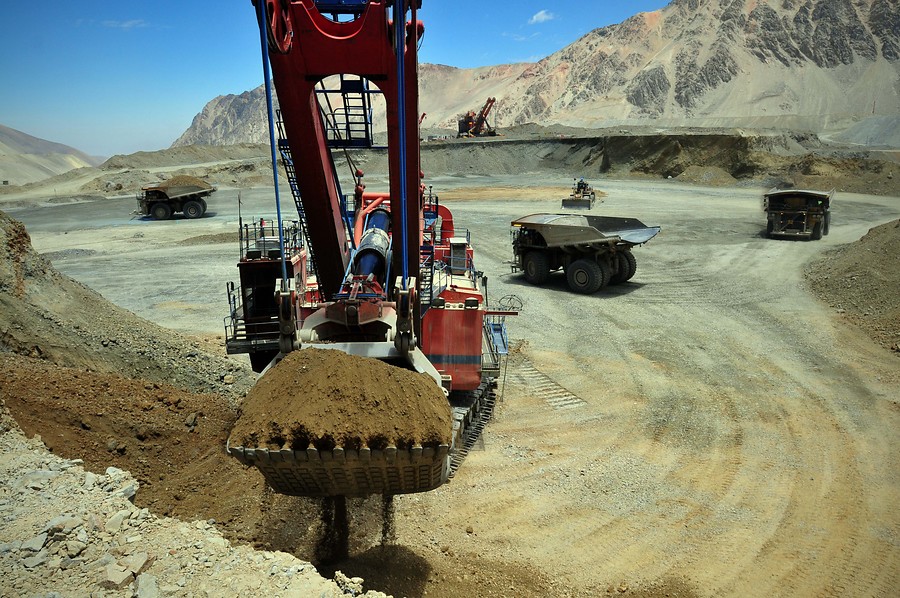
(820, 65)
(25, 159)
(229, 120)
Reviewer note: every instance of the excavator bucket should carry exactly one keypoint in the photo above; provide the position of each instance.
(353, 473)
(327, 422)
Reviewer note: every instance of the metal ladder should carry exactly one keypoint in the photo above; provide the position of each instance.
(347, 112)
(287, 159)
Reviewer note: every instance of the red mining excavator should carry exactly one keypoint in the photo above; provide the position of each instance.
(389, 275)
(476, 125)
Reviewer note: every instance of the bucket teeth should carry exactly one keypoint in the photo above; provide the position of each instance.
(347, 472)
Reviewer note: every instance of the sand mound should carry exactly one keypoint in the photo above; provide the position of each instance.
(707, 175)
(861, 279)
(326, 398)
(47, 315)
(184, 180)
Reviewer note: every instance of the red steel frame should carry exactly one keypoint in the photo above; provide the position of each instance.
(309, 47)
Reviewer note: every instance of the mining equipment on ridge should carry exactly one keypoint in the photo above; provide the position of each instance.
(388, 275)
(475, 124)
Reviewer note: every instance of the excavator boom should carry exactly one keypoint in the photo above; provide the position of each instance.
(393, 278)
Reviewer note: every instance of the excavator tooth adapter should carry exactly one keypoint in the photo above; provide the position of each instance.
(345, 472)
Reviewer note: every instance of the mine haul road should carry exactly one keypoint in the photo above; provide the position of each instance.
(709, 427)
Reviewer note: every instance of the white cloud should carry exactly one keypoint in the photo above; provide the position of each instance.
(132, 24)
(521, 38)
(541, 17)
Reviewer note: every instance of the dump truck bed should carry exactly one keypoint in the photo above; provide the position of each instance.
(175, 192)
(798, 198)
(798, 212)
(561, 230)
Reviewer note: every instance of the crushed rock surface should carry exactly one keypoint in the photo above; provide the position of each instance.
(66, 531)
(862, 281)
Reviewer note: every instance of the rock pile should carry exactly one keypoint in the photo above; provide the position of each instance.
(46, 315)
(65, 531)
(861, 281)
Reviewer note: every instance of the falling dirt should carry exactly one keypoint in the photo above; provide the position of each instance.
(326, 398)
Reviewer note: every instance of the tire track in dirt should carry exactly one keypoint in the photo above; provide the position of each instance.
(545, 388)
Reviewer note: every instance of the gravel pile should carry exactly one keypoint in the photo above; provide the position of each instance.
(65, 531)
(861, 280)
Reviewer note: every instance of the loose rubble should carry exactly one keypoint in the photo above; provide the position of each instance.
(65, 531)
(79, 328)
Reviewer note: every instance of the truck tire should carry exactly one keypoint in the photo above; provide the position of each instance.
(606, 272)
(770, 226)
(817, 231)
(205, 205)
(627, 266)
(192, 209)
(585, 276)
(160, 211)
(536, 266)
(827, 223)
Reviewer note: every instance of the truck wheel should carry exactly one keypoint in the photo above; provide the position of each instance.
(817, 231)
(204, 204)
(827, 223)
(627, 266)
(584, 276)
(536, 267)
(606, 272)
(632, 264)
(770, 226)
(192, 209)
(160, 211)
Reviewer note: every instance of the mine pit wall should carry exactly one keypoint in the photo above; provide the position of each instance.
(792, 159)
(660, 155)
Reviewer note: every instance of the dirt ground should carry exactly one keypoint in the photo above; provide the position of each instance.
(710, 428)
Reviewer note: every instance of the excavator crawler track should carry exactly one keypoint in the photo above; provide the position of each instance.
(471, 413)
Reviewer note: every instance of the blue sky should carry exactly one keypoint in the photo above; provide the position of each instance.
(117, 77)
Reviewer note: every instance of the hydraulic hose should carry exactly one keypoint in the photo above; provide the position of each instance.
(264, 44)
(400, 50)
